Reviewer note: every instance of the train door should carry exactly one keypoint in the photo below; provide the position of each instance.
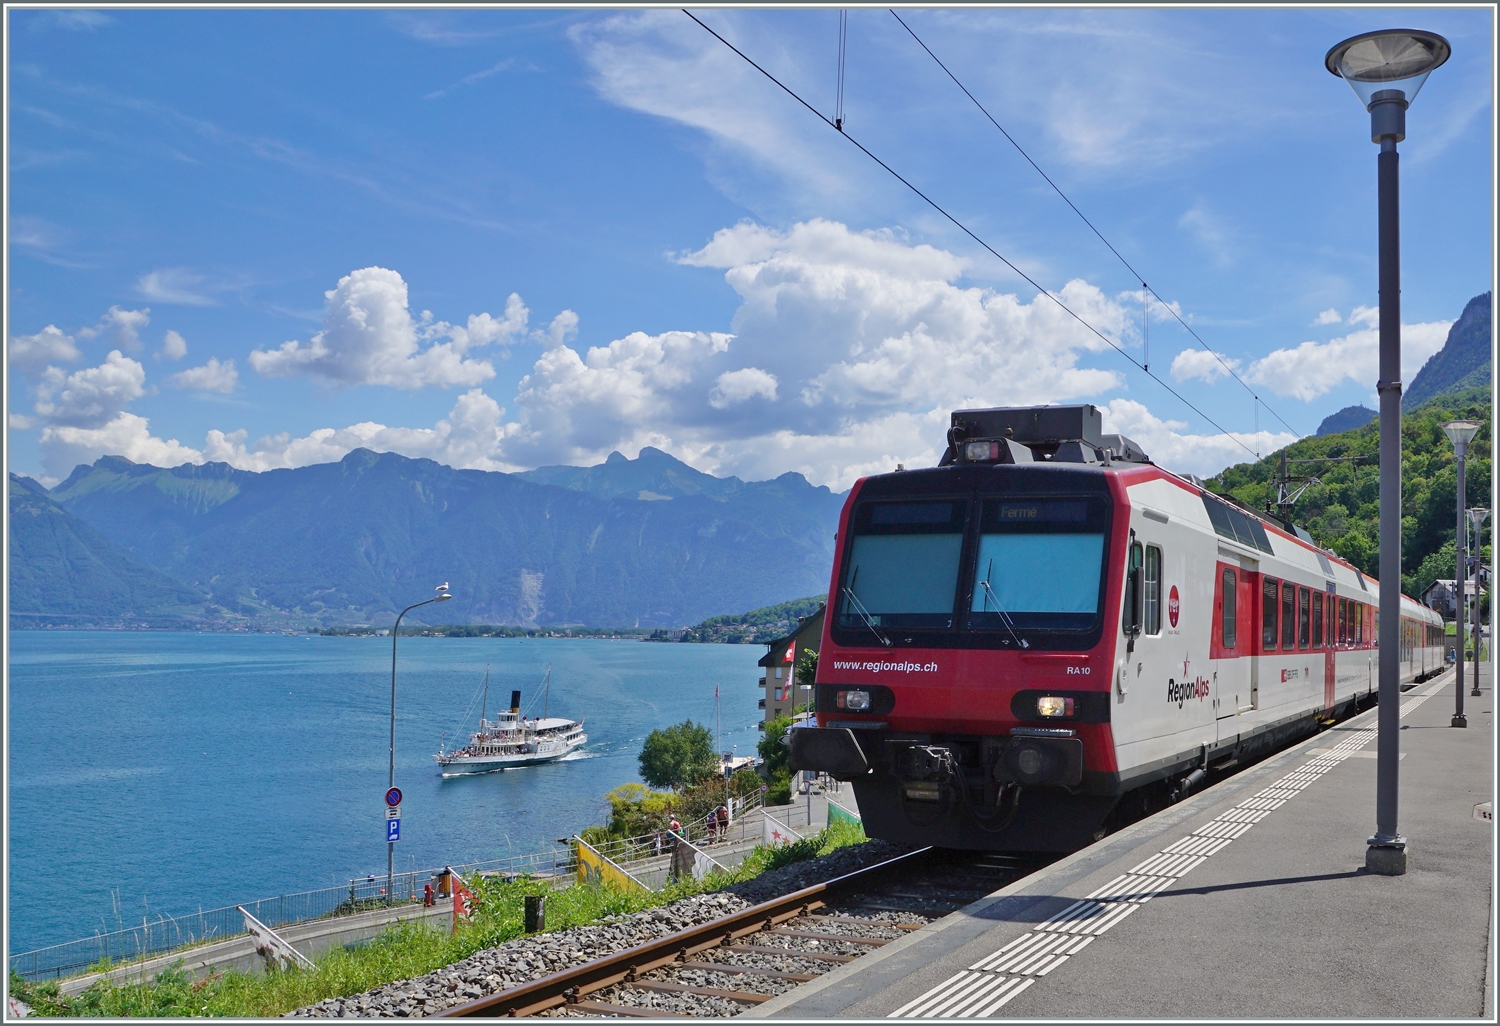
(1235, 671)
(1323, 634)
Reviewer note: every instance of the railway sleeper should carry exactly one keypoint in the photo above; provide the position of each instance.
(747, 996)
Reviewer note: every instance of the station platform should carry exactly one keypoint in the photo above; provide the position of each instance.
(1248, 900)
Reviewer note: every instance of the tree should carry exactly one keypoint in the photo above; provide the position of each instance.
(776, 761)
(678, 755)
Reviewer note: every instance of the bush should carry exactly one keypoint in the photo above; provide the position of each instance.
(776, 761)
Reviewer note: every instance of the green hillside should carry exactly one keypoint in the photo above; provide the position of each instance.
(63, 571)
(1343, 513)
(1462, 364)
(759, 625)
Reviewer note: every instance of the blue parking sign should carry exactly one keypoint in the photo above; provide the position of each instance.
(393, 830)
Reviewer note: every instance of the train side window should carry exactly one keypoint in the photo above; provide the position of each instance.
(1131, 620)
(1357, 610)
(1343, 621)
(1270, 588)
(1304, 617)
(1228, 619)
(1151, 590)
(1317, 619)
(1288, 616)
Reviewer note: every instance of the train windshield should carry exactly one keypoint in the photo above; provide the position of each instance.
(902, 569)
(1038, 566)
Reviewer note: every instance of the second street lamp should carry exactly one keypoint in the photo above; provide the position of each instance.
(1385, 69)
(1460, 433)
(1476, 518)
(390, 846)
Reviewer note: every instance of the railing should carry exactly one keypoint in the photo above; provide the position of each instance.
(363, 894)
(631, 849)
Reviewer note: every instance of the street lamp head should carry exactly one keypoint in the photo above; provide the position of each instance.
(1461, 433)
(1477, 516)
(443, 596)
(1390, 61)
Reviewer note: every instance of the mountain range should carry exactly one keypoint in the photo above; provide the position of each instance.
(356, 540)
(648, 542)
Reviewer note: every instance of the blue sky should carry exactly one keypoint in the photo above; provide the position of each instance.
(268, 237)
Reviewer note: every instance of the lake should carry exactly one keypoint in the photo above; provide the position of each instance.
(167, 772)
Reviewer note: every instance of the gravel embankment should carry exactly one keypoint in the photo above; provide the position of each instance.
(530, 958)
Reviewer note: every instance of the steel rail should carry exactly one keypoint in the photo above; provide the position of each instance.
(570, 985)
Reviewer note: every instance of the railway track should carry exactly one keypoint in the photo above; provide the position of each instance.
(730, 965)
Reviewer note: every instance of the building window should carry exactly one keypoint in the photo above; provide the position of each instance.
(1229, 618)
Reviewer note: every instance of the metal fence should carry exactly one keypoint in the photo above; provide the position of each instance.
(631, 849)
(363, 894)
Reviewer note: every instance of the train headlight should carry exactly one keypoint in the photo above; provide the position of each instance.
(854, 701)
(976, 452)
(1053, 706)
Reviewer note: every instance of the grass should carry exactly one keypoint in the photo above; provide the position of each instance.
(401, 952)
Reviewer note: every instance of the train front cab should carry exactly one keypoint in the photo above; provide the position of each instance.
(964, 677)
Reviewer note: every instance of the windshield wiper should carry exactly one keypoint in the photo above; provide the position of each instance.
(989, 593)
(859, 607)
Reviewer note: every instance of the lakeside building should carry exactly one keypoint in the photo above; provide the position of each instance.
(783, 695)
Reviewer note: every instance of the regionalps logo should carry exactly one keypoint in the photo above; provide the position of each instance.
(1182, 692)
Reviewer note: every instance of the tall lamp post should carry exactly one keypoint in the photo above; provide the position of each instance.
(1385, 70)
(390, 846)
(1476, 517)
(1460, 433)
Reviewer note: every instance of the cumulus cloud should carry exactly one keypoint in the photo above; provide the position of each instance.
(213, 376)
(1314, 368)
(123, 327)
(174, 285)
(173, 346)
(845, 327)
(737, 386)
(31, 353)
(469, 438)
(369, 337)
(90, 397)
(1329, 316)
(1170, 445)
(864, 342)
(1203, 365)
(1369, 316)
(64, 446)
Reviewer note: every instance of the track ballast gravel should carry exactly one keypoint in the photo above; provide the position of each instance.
(533, 957)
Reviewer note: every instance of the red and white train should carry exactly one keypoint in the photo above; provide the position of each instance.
(1047, 630)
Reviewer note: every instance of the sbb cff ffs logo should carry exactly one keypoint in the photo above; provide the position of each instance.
(1183, 691)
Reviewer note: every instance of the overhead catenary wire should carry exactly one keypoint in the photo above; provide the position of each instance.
(967, 231)
(1146, 290)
